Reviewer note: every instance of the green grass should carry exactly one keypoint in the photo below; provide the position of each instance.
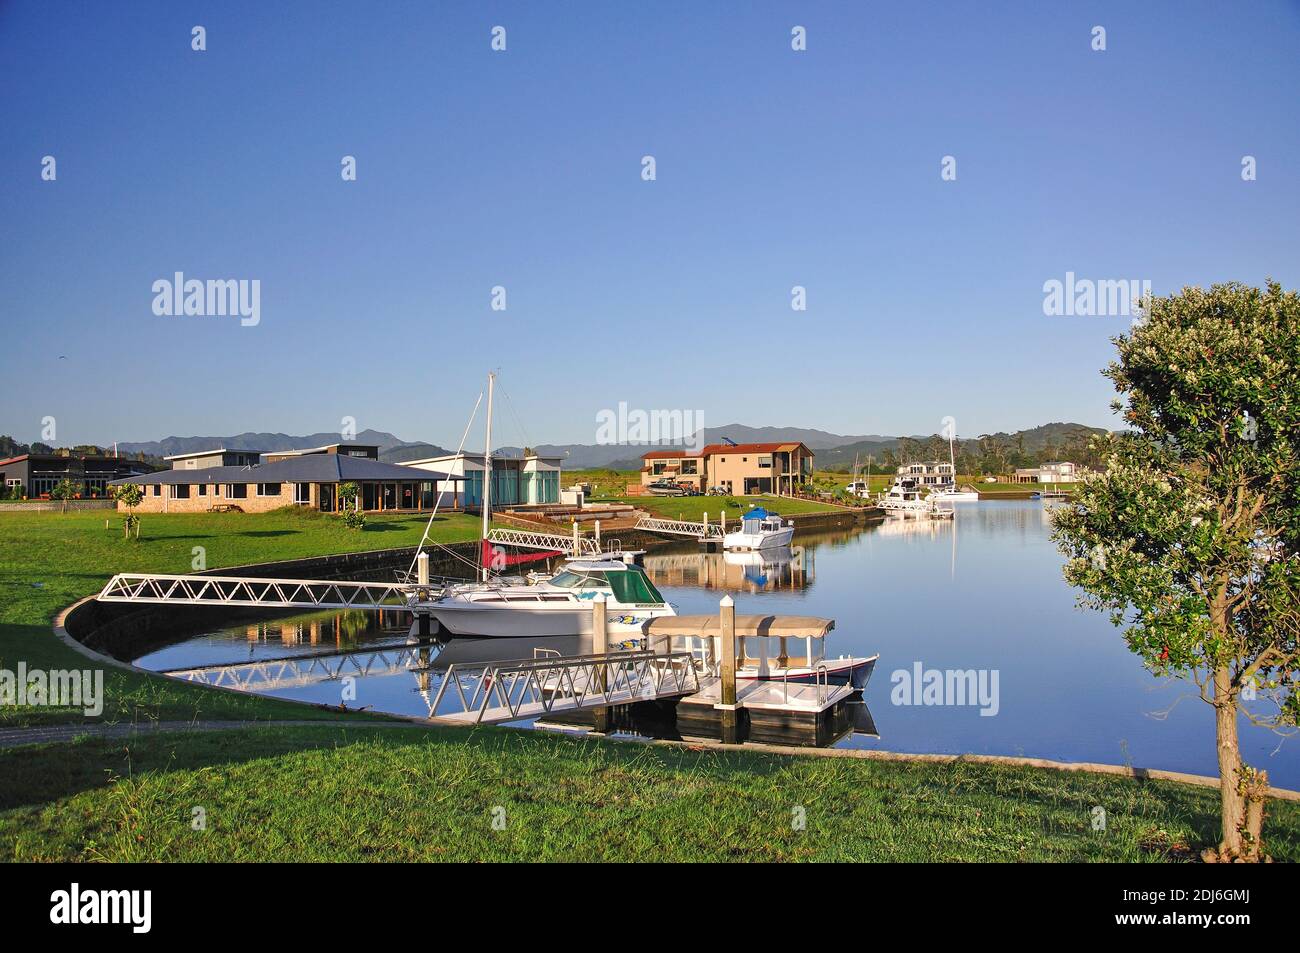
(694, 507)
(340, 794)
(50, 560)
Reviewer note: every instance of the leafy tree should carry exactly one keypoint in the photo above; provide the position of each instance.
(65, 490)
(1190, 538)
(350, 497)
(129, 495)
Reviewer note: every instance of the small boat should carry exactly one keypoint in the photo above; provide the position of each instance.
(951, 494)
(760, 529)
(665, 488)
(904, 499)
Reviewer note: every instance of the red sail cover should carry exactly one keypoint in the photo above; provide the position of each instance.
(496, 558)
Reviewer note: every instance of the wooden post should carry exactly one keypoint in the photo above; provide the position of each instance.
(727, 667)
(600, 646)
(576, 550)
(422, 569)
(598, 534)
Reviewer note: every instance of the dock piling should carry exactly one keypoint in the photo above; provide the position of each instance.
(727, 669)
(600, 646)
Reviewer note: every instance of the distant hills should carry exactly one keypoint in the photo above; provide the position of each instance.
(391, 448)
(998, 452)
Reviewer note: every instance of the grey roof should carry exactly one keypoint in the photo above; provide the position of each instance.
(316, 468)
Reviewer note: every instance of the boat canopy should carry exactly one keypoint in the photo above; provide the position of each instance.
(757, 513)
(747, 626)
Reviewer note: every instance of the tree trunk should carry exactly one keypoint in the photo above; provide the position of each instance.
(1242, 790)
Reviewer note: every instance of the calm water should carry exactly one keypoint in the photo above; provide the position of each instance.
(983, 593)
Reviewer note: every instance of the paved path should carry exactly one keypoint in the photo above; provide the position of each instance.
(43, 734)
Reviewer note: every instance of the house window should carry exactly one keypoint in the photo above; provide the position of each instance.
(237, 491)
(268, 489)
(203, 489)
(156, 489)
(690, 467)
(765, 463)
(180, 491)
(302, 492)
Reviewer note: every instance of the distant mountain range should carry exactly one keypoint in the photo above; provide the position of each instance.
(833, 450)
(391, 448)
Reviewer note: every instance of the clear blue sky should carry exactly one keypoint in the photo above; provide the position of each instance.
(522, 169)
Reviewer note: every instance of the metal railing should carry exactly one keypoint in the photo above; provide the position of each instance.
(487, 692)
(652, 524)
(251, 591)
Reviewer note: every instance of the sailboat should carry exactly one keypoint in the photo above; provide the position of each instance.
(950, 493)
(551, 607)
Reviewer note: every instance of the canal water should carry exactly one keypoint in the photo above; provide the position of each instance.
(980, 594)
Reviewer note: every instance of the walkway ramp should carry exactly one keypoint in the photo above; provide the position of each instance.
(701, 531)
(166, 589)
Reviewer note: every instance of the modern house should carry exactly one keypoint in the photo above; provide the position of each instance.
(367, 451)
(745, 468)
(529, 480)
(310, 480)
(35, 475)
(1055, 472)
(214, 458)
(929, 473)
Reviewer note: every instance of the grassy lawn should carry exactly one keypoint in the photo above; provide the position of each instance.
(50, 560)
(408, 795)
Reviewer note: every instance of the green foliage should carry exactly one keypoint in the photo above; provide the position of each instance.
(354, 519)
(1191, 536)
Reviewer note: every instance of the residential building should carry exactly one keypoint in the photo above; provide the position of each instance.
(745, 468)
(929, 473)
(366, 451)
(529, 480)
(220, 457)
(35, 475)
(311, 480)
(1055, 472)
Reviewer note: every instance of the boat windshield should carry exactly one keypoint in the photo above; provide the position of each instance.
(587, 579)
(634, 586)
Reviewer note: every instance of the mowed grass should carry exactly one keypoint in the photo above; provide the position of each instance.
(50, 560)
(341, 793)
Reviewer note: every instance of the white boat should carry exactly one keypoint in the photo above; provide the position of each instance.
(951, 494)
(904, 499)
(760, 529)
(555, 607)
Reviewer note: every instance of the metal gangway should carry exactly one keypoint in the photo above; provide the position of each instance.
(701, 531)
(575, 545)
(164, 588)
(488, 692)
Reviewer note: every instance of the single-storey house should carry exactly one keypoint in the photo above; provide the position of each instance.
(310, 480)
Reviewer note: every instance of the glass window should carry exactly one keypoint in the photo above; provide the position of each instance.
(237, 491)
(268, 489)
(302, 492)
(583, 580)
(180, 491)
(634, 586)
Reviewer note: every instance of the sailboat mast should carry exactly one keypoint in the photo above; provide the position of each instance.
(487, 477)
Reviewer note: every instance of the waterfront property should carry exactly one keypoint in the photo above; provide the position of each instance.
(530, 480)
(745, 468)
(35, 475)
(1055, 472)
(310, 480)
(929, 473)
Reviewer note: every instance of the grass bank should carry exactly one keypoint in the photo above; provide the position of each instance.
(50, 560)
(339, 793)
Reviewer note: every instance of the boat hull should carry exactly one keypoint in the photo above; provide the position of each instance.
(846, 671)
(538, 621)
(757, 541)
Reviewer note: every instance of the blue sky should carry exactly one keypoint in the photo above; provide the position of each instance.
(523, 169)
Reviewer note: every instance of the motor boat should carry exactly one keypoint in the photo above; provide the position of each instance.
(557, 606)
(665, 488)
(760, 529)
(904, 498)
(951, 494)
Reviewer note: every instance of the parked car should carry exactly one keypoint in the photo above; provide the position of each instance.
(665, 488)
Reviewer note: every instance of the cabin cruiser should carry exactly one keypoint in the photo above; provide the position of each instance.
(555, 606)
(904, 499)
(760, 529)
